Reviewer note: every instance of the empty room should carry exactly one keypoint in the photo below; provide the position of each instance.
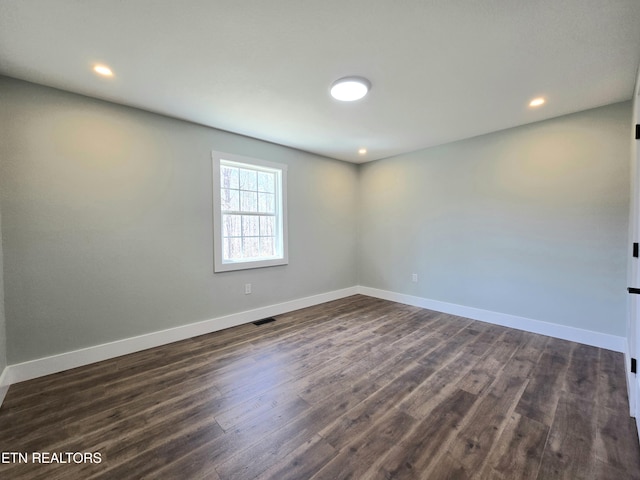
(319, 240)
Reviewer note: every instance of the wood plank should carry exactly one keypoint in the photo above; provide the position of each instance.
(439, 386)
(518, 451)
(364, 453)
(612, 446)
(540, 398)
(449, 468)
(582, 373)
(570, 450)
(604, 471)
(360, 418)
(477, 436)
(416, 452)
(303, 462)
(255, 435)
(612, 387)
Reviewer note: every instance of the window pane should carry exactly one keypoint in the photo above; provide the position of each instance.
(266, 182)
(252, 247)
(250, 226)
(230, 200)
(248, 179)
(267, 226)
(249, 201)
(231, 225)
(233, 248)
(266, 202)
(229, 177)
(267, 247)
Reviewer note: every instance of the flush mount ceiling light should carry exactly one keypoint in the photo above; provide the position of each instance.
(536, 102)
(348, 89)
(103, 70)
(362, 151)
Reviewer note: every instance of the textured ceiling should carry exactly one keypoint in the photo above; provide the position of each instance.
(440, 70)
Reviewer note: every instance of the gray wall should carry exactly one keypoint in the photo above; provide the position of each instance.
(530, 221)
(107, 223)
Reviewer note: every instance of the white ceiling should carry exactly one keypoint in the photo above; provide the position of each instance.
(440, 70)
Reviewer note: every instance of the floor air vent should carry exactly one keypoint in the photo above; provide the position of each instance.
(264, 320)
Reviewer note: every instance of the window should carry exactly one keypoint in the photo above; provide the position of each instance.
(250, 213)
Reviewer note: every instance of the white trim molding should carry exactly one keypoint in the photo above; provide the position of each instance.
(77, 358)
(563, 332)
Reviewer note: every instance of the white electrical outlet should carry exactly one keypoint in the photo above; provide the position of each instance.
(247, 288)
(414, 277)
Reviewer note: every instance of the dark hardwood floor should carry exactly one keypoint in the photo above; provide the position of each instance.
(358, 388)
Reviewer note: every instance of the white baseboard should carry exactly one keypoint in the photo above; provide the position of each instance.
(57, 363)
(587, 337)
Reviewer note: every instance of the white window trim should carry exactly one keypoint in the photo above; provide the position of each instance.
(219, 265)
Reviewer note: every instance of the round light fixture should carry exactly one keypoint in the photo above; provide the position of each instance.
(348, 89)
(362, 151)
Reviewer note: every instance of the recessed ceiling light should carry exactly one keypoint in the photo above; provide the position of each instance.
(348, 89)
(362, 151)
(103, 70)
(536, 102)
